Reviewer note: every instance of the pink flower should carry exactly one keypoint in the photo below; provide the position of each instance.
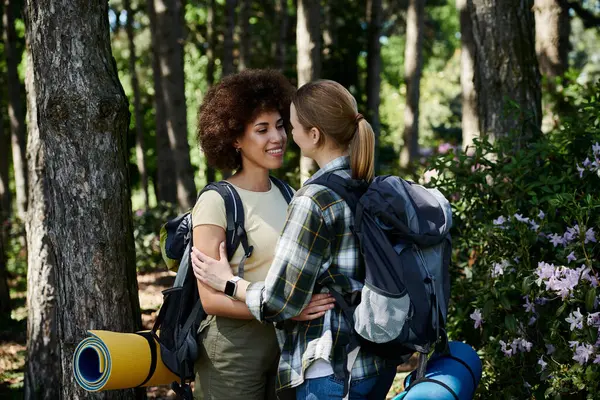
(476, 316)
(583, 353)
(590, 236)
(542, 363)
(575, 319)
(507, 352)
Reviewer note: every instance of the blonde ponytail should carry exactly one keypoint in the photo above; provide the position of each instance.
(362, 152)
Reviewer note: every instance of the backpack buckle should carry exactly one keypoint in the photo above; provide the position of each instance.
(250, 250)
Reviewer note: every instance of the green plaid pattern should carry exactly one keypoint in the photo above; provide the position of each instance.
(316, 248)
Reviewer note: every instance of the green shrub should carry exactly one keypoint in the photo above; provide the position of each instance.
(526, 258)
(146, 230)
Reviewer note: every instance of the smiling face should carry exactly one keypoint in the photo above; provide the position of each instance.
(263, 142)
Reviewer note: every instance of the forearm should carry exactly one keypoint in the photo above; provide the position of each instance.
(216, 303)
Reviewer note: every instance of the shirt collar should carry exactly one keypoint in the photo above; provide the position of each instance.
(336, 164)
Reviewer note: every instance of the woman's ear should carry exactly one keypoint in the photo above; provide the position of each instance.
(315, 135)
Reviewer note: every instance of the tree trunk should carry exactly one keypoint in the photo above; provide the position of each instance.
(413, 66)
(245, 35)
(228, 66)
(165, 185)
(281, 42)
(210, 66)
(15, 108)
(374, 70)
(5, 208)
(81, 263)
(470, 118)
(308, 44)
(169, 47)
(137, 109)
(506, 67)
(552, 30)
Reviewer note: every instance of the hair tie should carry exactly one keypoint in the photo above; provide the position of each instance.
(358, 117)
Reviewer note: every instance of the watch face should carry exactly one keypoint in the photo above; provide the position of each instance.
(229, 288)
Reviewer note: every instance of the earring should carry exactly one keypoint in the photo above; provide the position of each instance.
(237, 150)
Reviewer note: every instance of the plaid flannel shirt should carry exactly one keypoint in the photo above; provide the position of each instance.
(316, 248)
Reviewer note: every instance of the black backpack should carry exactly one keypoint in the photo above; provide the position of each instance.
(403, 232)
(180, 316)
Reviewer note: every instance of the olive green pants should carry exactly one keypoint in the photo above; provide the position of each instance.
(238, 360)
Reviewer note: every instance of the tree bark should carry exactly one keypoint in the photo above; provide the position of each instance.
(165, 185)
(5, 211)
(169, 47)
(506, 67)
(210, 66)
(228, 65)
(413, 66)
(281, 42)
(470, 118)
(137, 109)
(374, 11)
(552, 30)
(245, 35)
(308, 44)
(15, 108)
(81, 263)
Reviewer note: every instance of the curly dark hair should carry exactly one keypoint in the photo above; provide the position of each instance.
(233, 103)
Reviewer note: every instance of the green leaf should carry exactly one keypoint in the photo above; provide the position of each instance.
(561, 309)
(511, 323)
(590, 299)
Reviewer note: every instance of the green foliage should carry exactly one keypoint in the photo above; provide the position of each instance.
(526, 257)
(146, 231)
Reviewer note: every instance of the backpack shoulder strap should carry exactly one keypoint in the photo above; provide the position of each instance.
(349, 190)
(284, 188)
(235, 233)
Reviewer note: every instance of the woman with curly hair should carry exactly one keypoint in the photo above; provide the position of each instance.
(241, 127)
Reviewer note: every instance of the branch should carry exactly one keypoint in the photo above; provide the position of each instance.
(588, 18)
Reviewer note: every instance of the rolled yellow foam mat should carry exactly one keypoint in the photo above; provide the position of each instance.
(112, 360)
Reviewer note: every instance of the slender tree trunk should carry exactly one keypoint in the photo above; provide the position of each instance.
(552, 30)
(15, 108)
(506, 67)
(5, 211)
(374, 11)
(210, 66)
(413, 66)
(470, 118)
(228, 65)
(81, 264)
(137, 109)
(169, 32)
(308, 44)
(165, 184)
(281, 42)
(245, 35)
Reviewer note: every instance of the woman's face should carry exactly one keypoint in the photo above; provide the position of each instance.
(301, 137)
(263, 142)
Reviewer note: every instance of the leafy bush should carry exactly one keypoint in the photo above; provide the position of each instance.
(526, 258)
(146, 230)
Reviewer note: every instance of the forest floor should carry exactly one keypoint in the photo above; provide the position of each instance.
(13, 335)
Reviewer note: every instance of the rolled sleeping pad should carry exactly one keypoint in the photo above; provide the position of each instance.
(112, 360)
(447, 377)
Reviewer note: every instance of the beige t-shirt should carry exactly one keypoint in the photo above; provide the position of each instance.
(265, 214)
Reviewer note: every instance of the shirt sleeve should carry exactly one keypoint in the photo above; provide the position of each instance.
(298, 258)
(209, 210)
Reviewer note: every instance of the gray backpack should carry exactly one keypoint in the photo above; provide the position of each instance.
(403, 231)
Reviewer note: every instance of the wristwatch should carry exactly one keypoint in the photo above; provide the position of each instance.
(231, 286)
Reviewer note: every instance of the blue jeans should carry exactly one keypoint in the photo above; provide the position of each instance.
(332, 388)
